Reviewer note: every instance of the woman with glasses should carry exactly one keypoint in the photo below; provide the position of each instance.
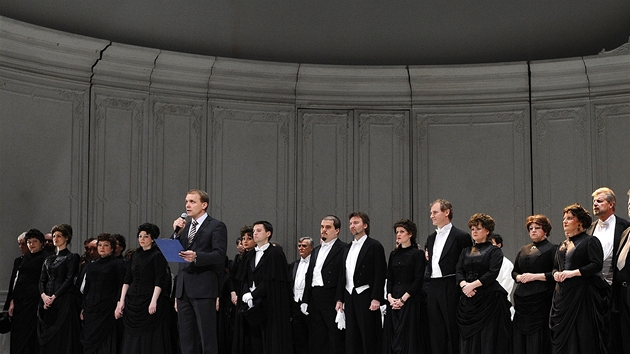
(144, 304)
(534, 288)
(483, 314)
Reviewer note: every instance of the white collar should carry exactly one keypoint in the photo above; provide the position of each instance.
(263, 248)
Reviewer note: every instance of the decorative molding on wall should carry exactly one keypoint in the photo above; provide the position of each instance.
(179, 74)
(558, 79)
(126, 67)
(465, 84)
(246, 80)
(45, 52)
(608, 75)
(342, 86)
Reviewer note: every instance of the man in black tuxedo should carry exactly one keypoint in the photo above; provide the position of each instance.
(361, 288)
(204, 241)
(266, 299)
(608, 228)
(319, 300)
(298, 275)
(443, 249)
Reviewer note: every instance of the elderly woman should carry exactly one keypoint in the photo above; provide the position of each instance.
(532, 272)
(144, 303)
(483, 314)
(26, 296)
(58, 327)
(103, 280)
(404, 320)
(578, 318)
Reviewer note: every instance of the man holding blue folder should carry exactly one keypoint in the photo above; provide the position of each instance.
(204, 241)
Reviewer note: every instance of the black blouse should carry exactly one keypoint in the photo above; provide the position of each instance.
(536, 257)
(405, 271)
(483, 262)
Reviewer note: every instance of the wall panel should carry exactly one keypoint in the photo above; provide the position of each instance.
(479, 161)
(252, 175)
(178, 157)
(325, 168)
(118, 175)
(382, 185)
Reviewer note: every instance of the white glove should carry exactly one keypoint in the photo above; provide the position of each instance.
(250, 303)
(304, 309)
(340, 320)
(247, 297)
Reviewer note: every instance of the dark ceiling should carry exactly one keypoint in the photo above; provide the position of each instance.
(367, 32)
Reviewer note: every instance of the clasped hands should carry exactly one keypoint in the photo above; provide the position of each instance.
(469, 289)
(48, 300)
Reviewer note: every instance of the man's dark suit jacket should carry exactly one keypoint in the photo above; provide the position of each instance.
(456, 241)
(200, 279)
(371, 269)
(331, 269)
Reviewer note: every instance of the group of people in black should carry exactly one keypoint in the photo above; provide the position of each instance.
(337, 297)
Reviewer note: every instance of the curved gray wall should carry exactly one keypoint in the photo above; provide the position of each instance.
(105, 136)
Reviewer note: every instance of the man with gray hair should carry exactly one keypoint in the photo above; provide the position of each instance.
(298, 274)
(16, 265)
(609, 228)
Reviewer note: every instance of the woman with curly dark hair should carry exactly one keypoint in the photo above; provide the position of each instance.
(404, 330)
(534, 288)
(483, 314)
(579, 318)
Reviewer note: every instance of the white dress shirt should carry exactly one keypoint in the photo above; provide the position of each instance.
(300, 278)
(438, 247)
(605, 232)
(324, 250)
(259, 253)
(351, 264)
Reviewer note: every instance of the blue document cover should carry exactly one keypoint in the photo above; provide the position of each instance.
(170, 249)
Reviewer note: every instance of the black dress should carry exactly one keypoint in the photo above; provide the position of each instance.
(483, 319)
(26, 297)
(579, 309)
(403, 329)
(103, 280)
(59, 327)
(146, 333)
(532, 300)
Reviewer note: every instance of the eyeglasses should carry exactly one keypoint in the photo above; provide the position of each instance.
(302, 246)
